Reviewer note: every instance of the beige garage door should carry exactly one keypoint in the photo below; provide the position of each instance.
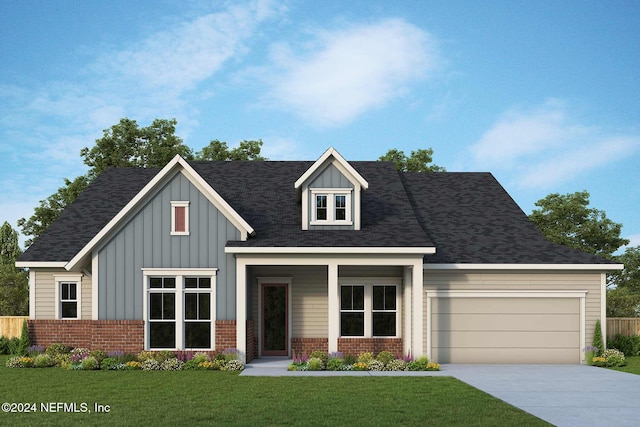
(505, 330)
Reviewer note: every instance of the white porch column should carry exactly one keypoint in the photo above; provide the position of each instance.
(333, 306)
(406, 329)
(417, 347)
(241, 308)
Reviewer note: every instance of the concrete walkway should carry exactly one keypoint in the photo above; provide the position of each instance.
(564, 395)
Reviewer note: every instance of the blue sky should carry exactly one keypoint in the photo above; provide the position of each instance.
(543, 94)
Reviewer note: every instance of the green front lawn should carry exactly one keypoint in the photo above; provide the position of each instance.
(632, 366)
(224, 398)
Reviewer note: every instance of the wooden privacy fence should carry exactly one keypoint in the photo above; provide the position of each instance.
(623, 325)
(11, 326)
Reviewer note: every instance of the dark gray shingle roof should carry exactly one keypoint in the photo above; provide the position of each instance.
(472, 219)
(467, 216)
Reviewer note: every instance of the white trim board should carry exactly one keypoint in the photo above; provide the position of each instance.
(592, 267)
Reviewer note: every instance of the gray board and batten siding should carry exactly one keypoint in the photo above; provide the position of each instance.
(145, 241)
(331, 177)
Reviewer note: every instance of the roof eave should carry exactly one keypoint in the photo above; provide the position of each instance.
(557, 267)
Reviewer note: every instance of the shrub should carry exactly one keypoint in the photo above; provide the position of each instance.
(163, 355)
(43, 361)
(172, 364)
(365, 357)
(90, 363)
(360, 366)
(629, 345)
(145, 355)
(151, 365)
(4, 345)
(385, 357)
(110, 363)
(614, 357)
(335, 364)
(133, 365)
(14, 346)
(350, 359)
(433, 366)
(396, 365)
(201, 357)
(376, 365)
(233, 365)
(192, 364)
(320, 355)
(57, 348)
(315, 364)
(597, 339)
(100, 355)
(13, 362)
(231, 354)
(79, 354)
(35, 350)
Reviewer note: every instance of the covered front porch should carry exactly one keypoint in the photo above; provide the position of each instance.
(296, 303)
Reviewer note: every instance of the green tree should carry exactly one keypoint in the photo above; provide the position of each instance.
(623, 302)
(629, 278)
(124, 144)
(14, 292)
(418, 161)
(219, 150)
(568, 220)
(9, 247)
(128, 145)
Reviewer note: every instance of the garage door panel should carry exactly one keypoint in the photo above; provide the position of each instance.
(465, 339)
(507, 322)
(504, 305)
(512, 355)
(505, 330)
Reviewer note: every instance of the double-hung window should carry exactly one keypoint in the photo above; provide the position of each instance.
(180, 308)
(331, 206)
(68, 293)
(369, 310)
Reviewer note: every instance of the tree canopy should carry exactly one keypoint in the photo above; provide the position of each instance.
(568, 220)
(218, 150)
(126, 144)
(14, 291)
(419, 160)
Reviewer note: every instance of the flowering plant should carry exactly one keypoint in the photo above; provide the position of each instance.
(79, 354)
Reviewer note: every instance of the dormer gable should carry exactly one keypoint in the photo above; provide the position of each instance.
(330, 192)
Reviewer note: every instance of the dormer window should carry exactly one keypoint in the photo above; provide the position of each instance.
(331, 206)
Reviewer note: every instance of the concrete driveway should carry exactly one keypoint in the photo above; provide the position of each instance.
(564, 395)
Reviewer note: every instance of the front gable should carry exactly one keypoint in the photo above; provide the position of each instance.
(177, 165)
(330, 192)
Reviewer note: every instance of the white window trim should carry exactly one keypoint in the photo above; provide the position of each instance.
(180, 204)
(69, 278)
(368, 305)
(331, 194)
(179, 274)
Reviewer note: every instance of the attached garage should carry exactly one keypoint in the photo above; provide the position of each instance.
(506, 326)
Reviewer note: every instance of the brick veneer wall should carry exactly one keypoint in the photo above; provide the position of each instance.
(301, 346)
(122, 335)
(356, 346)
(107, 335)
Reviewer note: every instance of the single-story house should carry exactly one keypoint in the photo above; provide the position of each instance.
(286, 257)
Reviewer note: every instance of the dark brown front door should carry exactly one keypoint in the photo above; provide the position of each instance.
(275, 337)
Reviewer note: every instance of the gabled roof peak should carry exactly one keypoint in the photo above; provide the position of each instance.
(336, 157)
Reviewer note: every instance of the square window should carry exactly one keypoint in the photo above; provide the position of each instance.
(162, 335)
(352, 324)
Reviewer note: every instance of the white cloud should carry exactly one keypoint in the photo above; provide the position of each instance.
(348, 72)
(634, 241)
(545, 145)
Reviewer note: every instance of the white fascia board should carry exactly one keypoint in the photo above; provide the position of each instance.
(341, 161)
(590, 267)
(328, 250)
(41, 264)
(176, 163)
